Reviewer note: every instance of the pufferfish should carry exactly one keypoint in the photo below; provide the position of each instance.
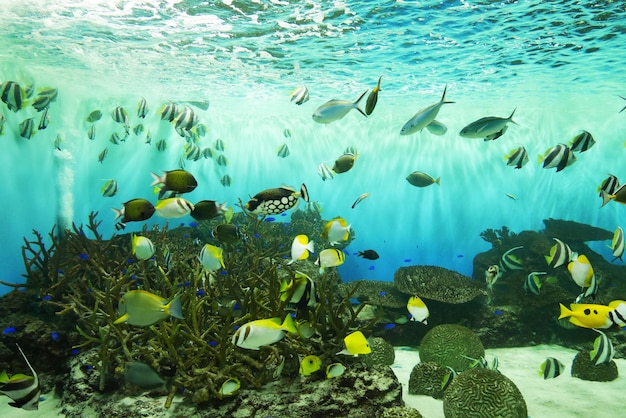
(275, 201)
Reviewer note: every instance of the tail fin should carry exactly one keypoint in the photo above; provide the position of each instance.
(288, 325)
(564, 312)
(175, 307)
(357, 103)
(606, 198)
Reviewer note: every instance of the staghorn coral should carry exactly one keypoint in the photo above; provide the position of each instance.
(482, 393)
(451, 345)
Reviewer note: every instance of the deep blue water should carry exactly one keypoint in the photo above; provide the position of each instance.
(561, 65)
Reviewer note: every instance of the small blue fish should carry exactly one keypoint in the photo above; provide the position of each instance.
(9, 330)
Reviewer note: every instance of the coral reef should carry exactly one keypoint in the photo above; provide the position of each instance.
(478, 393)
(574, 232)
(426, 379)
(451, 345)
(375, 293)
(436, 283)
(382, 353)
(583, 368)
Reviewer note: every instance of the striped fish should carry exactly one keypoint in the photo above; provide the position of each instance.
(582, 142)
(617, 245)
(27, 128)
(103, 155)
(559, 156)
(603, 350)
(617, 315)
(560, 253)
(533, 282)
(592, 290)
(12, 94)
(325, 172)
(283, 151)
(619, 195)
(45, 97)
(161, 145)
(44, 120)
(609, 185)
(186, 119)
(142, 108)
(24, 390)
(551, 368)
(109, 189)
(219, 145)
(300, 95)
(168, 112)
(517, 157)
(510, 261)
(120, 116)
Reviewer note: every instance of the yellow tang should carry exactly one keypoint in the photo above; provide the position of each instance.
(142, 309)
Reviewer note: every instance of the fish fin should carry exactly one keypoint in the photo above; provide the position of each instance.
(564, 312)
(606, 198)
(510, 118)
(121, 319)
(288, 325)
(438, 181)
(118, 213)
(174, 308)
(443, 96)
(304, 192)
(156, 179)
(357, 103)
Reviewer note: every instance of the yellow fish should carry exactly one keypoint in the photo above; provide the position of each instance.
(142, 309)
(581, 270)
(337, 230)
(356, 344)
(173, 207)
(309, 365)
(418, 309)
(591, 315)
(256, 334)
(142, 247)
(330, 257)
(212, 257)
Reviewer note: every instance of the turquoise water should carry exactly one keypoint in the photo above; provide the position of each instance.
(559, 64)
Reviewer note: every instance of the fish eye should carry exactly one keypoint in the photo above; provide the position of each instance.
(587, 311)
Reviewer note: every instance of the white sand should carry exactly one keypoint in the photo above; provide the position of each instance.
(562, 397)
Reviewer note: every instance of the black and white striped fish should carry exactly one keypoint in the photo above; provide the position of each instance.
(559, 156)
(120, 116)
(142, 108)
(609, 185)
(592, 290)
(300, 95)
(12, 94)
(517, 157)
(617, 245)
(582, 142)
(275, 201)
(27, 128)
(560, 254)
(186, 119)
(168, 112)
(551, 368)
(603, 350)
(24, 390)
(510, 261)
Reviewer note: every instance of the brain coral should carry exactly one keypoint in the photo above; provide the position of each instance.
(479, 393)
(447, 344)
(436, 283)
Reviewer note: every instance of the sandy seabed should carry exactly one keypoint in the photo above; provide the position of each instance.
(562, 397)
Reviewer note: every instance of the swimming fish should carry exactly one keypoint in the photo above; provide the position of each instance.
(211, 257)
(45, 97)
(492, 274)
(336, 231)
(488, 128)
(309, 365)
(276, 201)
(510, 261)
(120, 116)
(300, 95)
(368, 254)
(142, 108)
(581, 270)
(609, 185)
(617, 244)
(219, 144)
(261, 332)
(551, 368)
(192, 151)
(13, 95)
(372, 98)
(142, 309)
(335, 370)
(169, 112)
(222, 160)
(173, 207)
(582, 142)
(161, 145)
(27, 128)
(185, 120)
(334, 110)
(532, 283)
(91, 133)
(325, 172)
(418, 310)
(180, 181)
(559, 156)
(360, 199)
(595, 316)
(420, 179)
(437, 128)
(229, 388)
(226, 233)
(330, 257)
(23, 390)
(560, 253)
(355, 344)
(603, 351)
(344, 163)
(143, 375)
(301, 247)
(135, 210)
(208, 209)
(299, 291)
(94, 116)
(109, 189)
(618, 196)
(283, 151)
(226, 180)
(44, 120)
(424, 117)
(517, 157)
(592, 290)
(142, 247)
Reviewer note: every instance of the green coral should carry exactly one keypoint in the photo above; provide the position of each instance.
(382, 352)
(451, 345)
(427, 379)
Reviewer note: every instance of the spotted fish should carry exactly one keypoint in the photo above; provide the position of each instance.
(275, 201)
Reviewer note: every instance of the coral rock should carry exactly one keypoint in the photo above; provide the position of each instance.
(437, 283)
(447, 344)
(382, 353)
(426, 379)
(583, 368)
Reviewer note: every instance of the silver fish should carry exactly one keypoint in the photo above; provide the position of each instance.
(424, 117)
(490, 127)
(334, 110)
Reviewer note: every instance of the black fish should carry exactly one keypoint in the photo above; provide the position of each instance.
(369, 254)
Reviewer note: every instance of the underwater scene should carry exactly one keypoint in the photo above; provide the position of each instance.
(275, 208)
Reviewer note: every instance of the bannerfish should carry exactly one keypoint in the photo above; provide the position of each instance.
(208, 209)
(420, 179)
(256, 334)
(355, 343)
(300, 95)
(44, 120)
(168, 111)
(592, 290)
(344, 163)
(617, 244)
(603, 351)
(27, 128)
(533, 283)
(283, 151)
(517, 157)
(299, 291)
(372, 98)
(418, 310)
(335, 109)
(560, 253)
(510, 261)
(180, 181)
(330, 257)
(368, 254)
(582, 142)
(120, 116)
(488, 128)
(211, 257)
(23, 390)
(109, 189)
(142, 375)
(173, 207)
(142, 108)
(336, 231)
(301, 247)
(185, 120)
(559, 156)
(309, 365)
(91, 133)
(142, 247)
(276, 201)
(142, 309)
(226, 180)
(609, 185)
(13, 95)
(424, 117)
(551, 368)
(595, 316)
(135, 210)
(46, 96)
